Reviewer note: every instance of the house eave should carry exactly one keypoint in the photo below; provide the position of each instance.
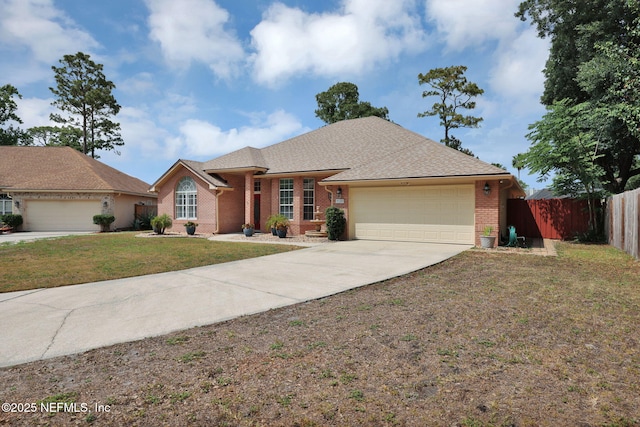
(75, 190)
(401, 181)
(329, 172)
(258, 170)
(173, 169)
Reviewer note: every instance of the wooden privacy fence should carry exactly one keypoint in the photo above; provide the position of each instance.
(548, 218)
(145, 210)
(622, 223)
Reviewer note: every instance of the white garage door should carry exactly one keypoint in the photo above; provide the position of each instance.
(62, 215)
(441, 214)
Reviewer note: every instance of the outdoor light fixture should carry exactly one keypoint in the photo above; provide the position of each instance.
(17, 203)
(486, 189)
(105, 204)
(339, 192)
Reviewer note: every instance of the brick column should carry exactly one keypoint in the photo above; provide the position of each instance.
(487, 209)
(248, 197)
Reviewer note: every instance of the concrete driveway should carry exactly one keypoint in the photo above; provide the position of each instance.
(45, 323)
(29, 236)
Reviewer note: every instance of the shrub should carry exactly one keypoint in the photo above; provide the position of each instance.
(12, 220)
(274, 220)
(336, 222)
(104, 221)
(159, 223)
(143, 221)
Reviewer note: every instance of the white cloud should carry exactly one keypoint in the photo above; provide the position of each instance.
(201, 139)
(517, 74)
(194, 30)
(464, 23)
(35, 112)
(362, 34)
(142, 136)
(140, 83)
(37, 25)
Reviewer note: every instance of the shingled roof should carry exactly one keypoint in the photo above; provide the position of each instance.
(61, 169)
(359, 149)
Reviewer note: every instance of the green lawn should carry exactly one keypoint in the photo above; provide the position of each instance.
(91, 258)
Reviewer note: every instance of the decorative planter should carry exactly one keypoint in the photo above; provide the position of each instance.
(191, 229)
(282, 232)
(487, 242)
(248, 231)
(274, 231)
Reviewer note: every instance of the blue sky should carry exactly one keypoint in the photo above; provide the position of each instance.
(200, 78)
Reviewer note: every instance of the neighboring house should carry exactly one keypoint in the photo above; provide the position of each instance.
(61, 189)
(393, 184)
(544, 194)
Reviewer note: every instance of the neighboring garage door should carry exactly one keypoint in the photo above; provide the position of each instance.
(441, 214)
(62, 215)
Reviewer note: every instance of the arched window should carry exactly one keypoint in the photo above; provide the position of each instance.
(186, 199)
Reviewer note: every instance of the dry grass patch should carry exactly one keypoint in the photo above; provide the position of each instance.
(82, 259)
(483, 339)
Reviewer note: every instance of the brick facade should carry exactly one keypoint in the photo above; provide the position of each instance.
(239, 205)
(487, 211)
(206, 201)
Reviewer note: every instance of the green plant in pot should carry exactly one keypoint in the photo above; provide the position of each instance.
(486, 239)
(190, 227)
(282, 226)
(160, 223)
(248, 229)
(273, 220)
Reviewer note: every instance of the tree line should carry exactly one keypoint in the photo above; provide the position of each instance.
(86, 108)
(589, 139)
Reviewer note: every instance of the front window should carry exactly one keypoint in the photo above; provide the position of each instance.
(286, 197)
(6, 204)
(186, 199)
(309, 198)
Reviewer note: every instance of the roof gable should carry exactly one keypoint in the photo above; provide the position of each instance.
(245, 158)
(197, 168)
(61, 169)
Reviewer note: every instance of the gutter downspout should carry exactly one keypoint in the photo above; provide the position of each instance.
(327, 189)
(219, 193)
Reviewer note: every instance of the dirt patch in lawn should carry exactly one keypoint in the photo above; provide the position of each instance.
(481, 339)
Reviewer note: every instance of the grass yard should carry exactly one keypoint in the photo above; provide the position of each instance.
(81, 259)
(482, 339)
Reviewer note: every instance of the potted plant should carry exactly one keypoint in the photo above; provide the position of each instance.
(282, 226)
(159, 223)
(190, 227)
(248, 229)
(272, 220)
(487, 240)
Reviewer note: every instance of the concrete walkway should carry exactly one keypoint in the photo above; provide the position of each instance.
(45, 323)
